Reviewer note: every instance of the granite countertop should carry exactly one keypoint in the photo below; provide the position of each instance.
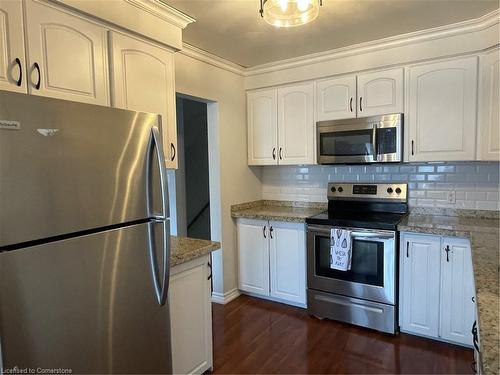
(184, 249)
(290, 211)
(483, 230)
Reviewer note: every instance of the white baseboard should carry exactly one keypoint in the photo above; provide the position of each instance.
(226, 297)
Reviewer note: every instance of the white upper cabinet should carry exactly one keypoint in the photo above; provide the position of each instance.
(253, 256)
(364, 95)
(336, 98)
(143, 80)
(296, 124)
(419, 289)
(488, 132)
(67, 55)
(457, 291)
(12, 60)
(262, 123)
(288, 261)
(380, 92)
(442, 110)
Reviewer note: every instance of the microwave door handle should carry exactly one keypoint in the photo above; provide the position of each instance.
(374, 138)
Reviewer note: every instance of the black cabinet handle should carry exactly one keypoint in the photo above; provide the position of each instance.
(474, 367)
(264, 231)
(210, 266)
(412, 148)
(271, 232)
(473, 300)
(475, 337)
(447, 253)
(350, 104)
(407, 249)
(37, 67)
(172, 148)
(361, 104)
(281, 154)
(20, 80)
(274, 153)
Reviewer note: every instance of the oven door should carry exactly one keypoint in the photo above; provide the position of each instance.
(373, 268)
(339, 143)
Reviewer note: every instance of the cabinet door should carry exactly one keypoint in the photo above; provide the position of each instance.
(12, 60)
(442, 113)
(296, 124)
(287, 261)
(380, 92)
(262, 122)
(489, 101)
(419, 292)
(70, 53)
(253, 256)
(191, 317)
(143, 80)
(457, 291)
(336, 98)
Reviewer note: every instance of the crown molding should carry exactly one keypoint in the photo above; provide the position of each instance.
(209, 58)
(460, 28)
(152, 19)
(163, 11)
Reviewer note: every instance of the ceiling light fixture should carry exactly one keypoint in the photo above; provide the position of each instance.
(288, 13)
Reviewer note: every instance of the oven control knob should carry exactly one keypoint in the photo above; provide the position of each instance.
(332, 189)
(340, 189)
(398, 191)
(389, 190)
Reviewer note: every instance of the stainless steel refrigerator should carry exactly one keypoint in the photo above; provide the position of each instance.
(84, 238)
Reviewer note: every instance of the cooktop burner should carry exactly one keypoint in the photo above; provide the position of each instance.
(372, 206)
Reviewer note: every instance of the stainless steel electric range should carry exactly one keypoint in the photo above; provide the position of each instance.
(366, 295)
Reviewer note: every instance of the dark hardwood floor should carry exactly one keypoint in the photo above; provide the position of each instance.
(256, 336)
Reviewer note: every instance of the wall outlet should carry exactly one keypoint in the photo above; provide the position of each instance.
(451, 198)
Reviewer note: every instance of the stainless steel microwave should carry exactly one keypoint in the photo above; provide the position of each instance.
(377, 139)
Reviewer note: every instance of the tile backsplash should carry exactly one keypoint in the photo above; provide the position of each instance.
(473, 185)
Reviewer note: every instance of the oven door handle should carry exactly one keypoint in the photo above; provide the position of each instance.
(378, 235)
(372, 238)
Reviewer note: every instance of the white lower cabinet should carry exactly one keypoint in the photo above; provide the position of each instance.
(253, 247)
(419, 297)
(272, 260)
(436, 287)
(457, 291)
(287, 262)
(191, 317)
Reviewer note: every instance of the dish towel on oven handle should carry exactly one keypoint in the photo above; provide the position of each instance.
(340, 249)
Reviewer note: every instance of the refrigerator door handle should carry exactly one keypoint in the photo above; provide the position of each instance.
(160, 287)
(166, 262)
(156, 144)
(154, 262)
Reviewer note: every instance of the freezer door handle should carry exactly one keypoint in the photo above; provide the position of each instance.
(155, 144)
(160, 286)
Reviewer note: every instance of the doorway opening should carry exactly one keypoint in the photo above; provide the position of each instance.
(194, 187)
(192, 176)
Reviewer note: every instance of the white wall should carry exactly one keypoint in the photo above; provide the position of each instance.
(238, 182)
(475, 184)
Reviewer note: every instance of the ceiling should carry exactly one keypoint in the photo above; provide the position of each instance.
(234, 30)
